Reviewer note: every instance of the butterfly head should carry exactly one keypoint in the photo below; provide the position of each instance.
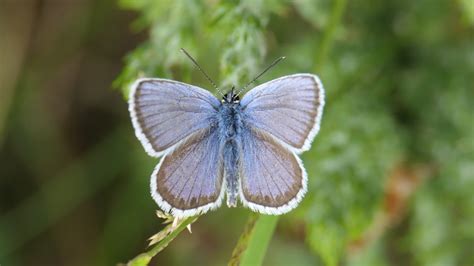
(231, 97)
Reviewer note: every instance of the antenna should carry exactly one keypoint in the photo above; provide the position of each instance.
(202, 71)
(261, 74)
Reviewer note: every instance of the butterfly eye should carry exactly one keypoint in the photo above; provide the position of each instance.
(235, 99)
(225, 97)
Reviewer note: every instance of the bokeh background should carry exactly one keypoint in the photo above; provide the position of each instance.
(391, 174)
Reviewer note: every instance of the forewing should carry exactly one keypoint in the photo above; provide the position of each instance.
(289, 108)
(273, 180)
(189, 180)
(165, 112)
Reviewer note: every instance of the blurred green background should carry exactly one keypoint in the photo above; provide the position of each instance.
(391, 173)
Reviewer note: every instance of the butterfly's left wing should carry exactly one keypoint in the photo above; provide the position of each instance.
(289, 108)
(272, 178)
(189, 179)
(165, 112)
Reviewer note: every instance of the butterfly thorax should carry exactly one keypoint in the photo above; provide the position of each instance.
(230, 121)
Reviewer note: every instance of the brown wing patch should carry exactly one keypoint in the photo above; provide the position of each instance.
(191, 175)
(271, 174)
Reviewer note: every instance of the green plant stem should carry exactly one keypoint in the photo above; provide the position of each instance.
(145, 258)
(253, 242)
(326, 43)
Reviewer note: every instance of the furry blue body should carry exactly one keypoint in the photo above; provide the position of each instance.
(230, 126)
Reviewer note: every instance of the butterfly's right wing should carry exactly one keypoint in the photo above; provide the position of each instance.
(281, 118)
(272, 178)
(165, 112)
(288, 108)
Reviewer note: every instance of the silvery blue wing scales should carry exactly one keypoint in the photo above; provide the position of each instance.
(245, 150)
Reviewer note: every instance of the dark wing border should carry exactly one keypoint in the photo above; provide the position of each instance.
(183, 213)
(290, 205)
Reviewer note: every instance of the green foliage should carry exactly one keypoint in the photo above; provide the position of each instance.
(398, 79)
(161, 240)
(201, 28)
(468, 10)
(253, 243)
(347, 181)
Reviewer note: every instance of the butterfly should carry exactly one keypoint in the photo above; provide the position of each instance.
(246, 150)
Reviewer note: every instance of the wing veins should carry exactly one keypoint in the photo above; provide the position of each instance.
(281, 164)
(274, 182)
(179, 166)
(254, 160)
(194, 171)
(290, 128)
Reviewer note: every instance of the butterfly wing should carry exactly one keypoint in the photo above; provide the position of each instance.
(273, 180)
(289, 108)
(189, 180)
(164, 112)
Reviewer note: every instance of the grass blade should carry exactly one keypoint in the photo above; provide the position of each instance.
(253, 243)
(145, 258)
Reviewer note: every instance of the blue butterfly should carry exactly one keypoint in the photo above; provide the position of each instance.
(245, 149)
